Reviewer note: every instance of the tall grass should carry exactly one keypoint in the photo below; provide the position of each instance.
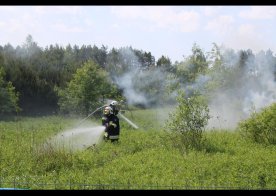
(142, 159)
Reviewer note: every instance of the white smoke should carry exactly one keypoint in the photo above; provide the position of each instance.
(140, 85)
(250, 91)
(253, 89)
(126, 82)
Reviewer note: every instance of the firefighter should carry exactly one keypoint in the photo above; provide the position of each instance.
(112, 125)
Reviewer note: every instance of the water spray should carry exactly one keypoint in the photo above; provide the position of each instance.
(80, 137)
(89, 115)
(126, 119)
(84, 137)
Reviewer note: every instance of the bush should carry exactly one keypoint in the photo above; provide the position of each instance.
(189, 120)
(261, 127)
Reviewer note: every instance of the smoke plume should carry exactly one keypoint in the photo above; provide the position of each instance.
(247, 84)
(247, 90)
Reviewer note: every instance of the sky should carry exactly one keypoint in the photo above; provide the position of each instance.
(162, 30)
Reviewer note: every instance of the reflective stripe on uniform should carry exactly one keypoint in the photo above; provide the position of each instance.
(113, 124)
(114, 137)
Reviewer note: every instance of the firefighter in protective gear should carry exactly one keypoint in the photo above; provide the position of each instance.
(112, 125)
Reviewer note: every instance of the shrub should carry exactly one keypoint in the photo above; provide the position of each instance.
(261, 126)
(189, 119)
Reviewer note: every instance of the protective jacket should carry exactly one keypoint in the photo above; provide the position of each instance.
(112, 127)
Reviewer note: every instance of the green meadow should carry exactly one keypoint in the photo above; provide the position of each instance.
(144, 158)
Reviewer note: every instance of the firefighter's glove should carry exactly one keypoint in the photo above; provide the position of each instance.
(105, 134)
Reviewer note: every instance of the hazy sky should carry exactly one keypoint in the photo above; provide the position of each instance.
(162, 30)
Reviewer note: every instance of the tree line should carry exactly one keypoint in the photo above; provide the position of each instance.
(36, 80)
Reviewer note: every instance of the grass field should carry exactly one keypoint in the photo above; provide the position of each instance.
(144, 158)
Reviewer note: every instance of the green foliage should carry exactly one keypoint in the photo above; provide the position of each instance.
(189, 120)
(165, 63)
(8, 96)
(143, 159)
(90, 83)
(193, 66)
(261, 126)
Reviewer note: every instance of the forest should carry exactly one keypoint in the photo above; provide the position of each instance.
(74, 79)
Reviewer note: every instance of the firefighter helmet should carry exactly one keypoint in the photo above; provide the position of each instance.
(115, 107)
(114, 103)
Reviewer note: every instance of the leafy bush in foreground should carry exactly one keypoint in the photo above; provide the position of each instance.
(189, 120)
(261, 127)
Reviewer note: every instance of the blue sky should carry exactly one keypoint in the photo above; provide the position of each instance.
(162, 30)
